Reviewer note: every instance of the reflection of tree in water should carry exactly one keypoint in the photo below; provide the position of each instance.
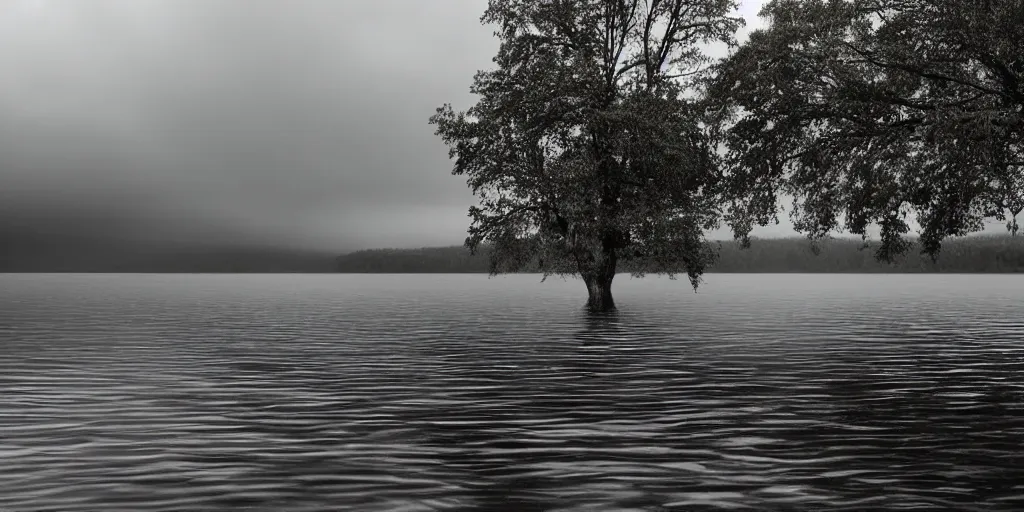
(491, 442)
(610, 345)
(600, 326)
(599, 346)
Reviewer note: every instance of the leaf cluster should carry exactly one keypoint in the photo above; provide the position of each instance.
(868, 111)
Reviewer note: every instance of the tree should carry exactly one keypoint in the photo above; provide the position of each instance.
(866, 111)
(587, 148)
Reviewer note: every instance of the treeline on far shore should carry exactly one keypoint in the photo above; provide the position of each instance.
(974, 254)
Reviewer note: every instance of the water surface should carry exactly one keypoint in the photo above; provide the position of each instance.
(459, 392)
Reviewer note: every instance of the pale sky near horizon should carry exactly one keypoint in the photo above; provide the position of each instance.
(285, 122)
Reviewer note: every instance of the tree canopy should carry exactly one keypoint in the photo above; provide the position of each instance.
(869, 111)
(587, 147)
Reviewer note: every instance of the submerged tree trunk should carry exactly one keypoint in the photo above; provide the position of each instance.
(599, 288)
(600, 273)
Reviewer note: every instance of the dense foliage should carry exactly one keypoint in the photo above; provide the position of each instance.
(869, 111)
(587, 148)
(969, 254)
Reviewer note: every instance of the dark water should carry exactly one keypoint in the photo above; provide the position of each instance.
(408, 393)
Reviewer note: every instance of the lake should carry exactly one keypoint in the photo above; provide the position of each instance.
(460, 392)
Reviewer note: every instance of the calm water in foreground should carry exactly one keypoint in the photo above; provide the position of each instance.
(373, 393)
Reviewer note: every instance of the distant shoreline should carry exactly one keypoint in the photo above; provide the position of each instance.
(539, 274)
(981, 254)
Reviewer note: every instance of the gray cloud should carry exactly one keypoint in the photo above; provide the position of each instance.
(299, 121)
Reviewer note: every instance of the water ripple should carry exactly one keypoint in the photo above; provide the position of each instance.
(161, 393)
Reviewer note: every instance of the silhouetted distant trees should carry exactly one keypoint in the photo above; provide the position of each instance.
(454, 260)
(976, 254)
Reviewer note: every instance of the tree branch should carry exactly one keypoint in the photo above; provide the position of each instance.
(869, 56)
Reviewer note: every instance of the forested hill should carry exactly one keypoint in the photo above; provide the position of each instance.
(994, 254)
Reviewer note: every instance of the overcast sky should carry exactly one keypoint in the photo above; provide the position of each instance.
(291, 122)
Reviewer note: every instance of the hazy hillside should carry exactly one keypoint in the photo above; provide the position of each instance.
(46, 254)
(971, 254)
(31, 252)
(454, 259)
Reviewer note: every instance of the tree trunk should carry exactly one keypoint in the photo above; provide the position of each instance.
(599, 288)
